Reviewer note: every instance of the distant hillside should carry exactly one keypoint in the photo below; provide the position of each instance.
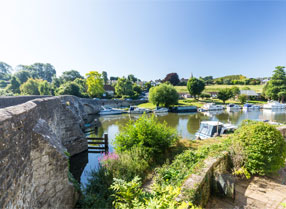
(231, 77)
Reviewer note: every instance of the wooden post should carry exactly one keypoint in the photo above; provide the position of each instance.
(106, 143)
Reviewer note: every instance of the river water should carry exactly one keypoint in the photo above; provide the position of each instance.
(186, 124)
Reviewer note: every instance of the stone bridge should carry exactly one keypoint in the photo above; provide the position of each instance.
(36, 132)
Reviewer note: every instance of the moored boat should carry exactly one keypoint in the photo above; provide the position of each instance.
(109, 111)
(161, 110)
(183, 109)
(274, 105)
(211, 107)
(138, 110)
(210, 129)
(250, 107)
(233, 107)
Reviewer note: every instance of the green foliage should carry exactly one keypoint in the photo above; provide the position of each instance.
(128, 164)
(242, 98)
(136, 91)
(163, 95)
(276, 85)
(205, 95)
(130, 195)
(148, 133)
(3, 84)
(30, 87)
(14, 86)
(235, 90)
(40, 70)
(104, 76)
(69, 88)
(195, 86)
(172, 78)
(224, 94)
(94, 84)
(23, 76)
(262, 145)
(44, 88)
(70, 75)
(124, 87)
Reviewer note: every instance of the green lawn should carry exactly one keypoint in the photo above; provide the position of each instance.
(215, 88)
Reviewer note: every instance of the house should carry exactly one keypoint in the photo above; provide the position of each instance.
(184, 95)
(249, 93)
(109, 90)
(213, 94)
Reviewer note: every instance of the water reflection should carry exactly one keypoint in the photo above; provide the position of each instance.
(186, 124)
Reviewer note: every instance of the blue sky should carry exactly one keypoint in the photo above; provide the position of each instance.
(146, 38)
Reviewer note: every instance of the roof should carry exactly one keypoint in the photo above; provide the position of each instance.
(108, 88)
(248, 92)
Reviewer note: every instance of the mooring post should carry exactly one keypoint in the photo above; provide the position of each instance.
(106, 142)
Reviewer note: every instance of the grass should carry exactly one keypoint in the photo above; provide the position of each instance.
(215, 88)
(200, 103)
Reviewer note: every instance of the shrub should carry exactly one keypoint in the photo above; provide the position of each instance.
(127, 165)
(260, 147)
(147, 133)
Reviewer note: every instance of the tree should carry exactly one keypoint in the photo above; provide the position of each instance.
(69, 88)
(173, 78)
(14, 85)
(147, 86)
(163, 95)
(40, 70)
(195, 86)
(235, 91)
(5, 71)
(124, 87)
(224, 94)
(94, 84)
(276, 84)
(132, 78)
(70, 75)
(44, 88)
(81, 82)
(23, 76)
(30, 87)
(242, 98)
(105, 78)
(136, 91)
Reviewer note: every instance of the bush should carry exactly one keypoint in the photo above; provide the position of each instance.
(127, 165)
(147, 133)
(260, 147)
(164, 95)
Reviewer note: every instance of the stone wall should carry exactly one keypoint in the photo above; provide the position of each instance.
(198, 186)
(34, 137)
(8, 101)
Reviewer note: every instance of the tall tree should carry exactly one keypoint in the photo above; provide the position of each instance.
(71, 75)
(23, 75)
(30, 87)
(276, 84)
(14, 85)
(124, 87)
(224, 94)
(44, 88)
(5, 71)
(132, 78)
(195, 86)
(94, 84)
(40, 70)
(69, 88)
(104, 76)
(163, 95)
(173, 78)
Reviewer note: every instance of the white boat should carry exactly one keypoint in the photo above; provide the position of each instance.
(161, 110)
(109, 111)
(138, 110)
(231, 107)
(210, 129)
(274, 105)
(211, 107)
(250, 107)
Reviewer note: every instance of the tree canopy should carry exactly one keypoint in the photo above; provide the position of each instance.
(70, 75)
(163, 95)
(94, 84)
(224, 94)
(40, 70)
(173, 78)
(124, 87)
(195, 86)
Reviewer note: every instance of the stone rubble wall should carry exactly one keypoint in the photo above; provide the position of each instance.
(34, 137)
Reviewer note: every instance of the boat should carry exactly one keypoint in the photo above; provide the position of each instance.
(250, 107)
(210, 129)
(109, 111)
(274, 105)
(231, 107)
(161, 110)
(138, 110)
(184, 109)
(211, 107)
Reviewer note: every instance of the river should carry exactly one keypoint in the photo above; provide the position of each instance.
(186, 124)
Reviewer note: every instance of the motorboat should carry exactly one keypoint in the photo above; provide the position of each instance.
(274, 105)
(231, 107)
(138, 110)
(161, 110)
(210, 129)
(250, 107)
(184, 109)
(109, 111)
(211, 107)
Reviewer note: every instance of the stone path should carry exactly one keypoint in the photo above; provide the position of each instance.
(259, 192)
